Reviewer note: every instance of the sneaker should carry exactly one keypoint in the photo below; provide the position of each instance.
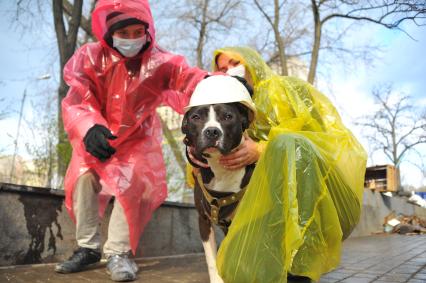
(82, 258)
(121, 268)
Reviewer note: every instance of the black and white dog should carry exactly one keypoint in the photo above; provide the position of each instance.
(213, 130)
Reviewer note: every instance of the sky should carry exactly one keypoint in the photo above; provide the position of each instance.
(402, 64)
(25, 57)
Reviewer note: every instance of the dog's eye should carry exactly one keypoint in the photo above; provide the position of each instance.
(228, 116)
(195, 117)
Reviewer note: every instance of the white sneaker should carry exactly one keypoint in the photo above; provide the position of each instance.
(121, 268)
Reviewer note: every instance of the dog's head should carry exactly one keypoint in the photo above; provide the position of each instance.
(215, 126)
(217, 116)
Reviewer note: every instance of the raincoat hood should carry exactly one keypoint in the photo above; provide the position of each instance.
(138, 9)
(283, 102)
(250, 59)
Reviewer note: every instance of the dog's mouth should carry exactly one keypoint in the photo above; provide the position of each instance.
(201, 149)
(210, 150)
(212, 147)
(218, 148)
(207, 149)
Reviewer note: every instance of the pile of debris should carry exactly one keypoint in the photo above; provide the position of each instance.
(403, 224)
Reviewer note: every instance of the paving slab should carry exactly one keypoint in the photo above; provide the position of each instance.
(378, 258)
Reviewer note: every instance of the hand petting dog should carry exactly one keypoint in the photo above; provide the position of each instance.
(247, 153)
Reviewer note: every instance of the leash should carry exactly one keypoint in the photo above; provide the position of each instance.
(217, 203)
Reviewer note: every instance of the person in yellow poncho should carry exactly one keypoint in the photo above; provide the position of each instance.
(305, 195)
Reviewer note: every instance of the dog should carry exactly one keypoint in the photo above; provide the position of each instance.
(211, 131)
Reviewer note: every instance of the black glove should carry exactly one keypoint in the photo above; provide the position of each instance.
(97, 144)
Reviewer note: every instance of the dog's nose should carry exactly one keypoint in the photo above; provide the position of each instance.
(212, 133)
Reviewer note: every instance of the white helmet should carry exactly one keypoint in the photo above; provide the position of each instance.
(221, 89)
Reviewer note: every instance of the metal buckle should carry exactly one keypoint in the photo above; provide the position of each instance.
(215, 202)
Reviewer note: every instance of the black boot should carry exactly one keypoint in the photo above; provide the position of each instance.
(298, 279)
(81, 258)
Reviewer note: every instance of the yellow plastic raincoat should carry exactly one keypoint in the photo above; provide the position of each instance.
(305, 194)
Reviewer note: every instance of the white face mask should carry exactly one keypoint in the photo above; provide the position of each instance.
(239, 71)
(129, 47)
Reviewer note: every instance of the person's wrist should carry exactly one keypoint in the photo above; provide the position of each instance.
(260, 147)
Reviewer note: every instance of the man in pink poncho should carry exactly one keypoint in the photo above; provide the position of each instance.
(109, 115)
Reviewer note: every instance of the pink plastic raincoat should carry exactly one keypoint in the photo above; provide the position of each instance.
(104, 90)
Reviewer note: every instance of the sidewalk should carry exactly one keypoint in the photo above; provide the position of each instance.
(380, 258)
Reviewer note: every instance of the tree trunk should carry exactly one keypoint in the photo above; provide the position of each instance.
(202, 35)
(316, 45)
(49, 167)
(85, 23)
(63, 146)
(67, 41)
(279, 40)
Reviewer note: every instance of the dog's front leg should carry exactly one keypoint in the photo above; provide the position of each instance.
(210, 249)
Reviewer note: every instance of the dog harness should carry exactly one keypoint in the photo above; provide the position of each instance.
(216, 204)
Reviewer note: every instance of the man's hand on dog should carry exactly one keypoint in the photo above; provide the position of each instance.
(245, 154)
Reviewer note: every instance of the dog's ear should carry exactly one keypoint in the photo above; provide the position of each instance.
(244, 115)
(184, 127)
(245, 122)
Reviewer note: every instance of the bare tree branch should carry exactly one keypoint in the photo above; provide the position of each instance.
(388, 13)
(275, 25)
(396, 137)
(206, 19)
(84, 23)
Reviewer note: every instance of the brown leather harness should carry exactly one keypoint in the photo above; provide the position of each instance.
(216, 204)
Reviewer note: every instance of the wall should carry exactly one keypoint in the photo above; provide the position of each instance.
(376, 206)
(35, 227)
